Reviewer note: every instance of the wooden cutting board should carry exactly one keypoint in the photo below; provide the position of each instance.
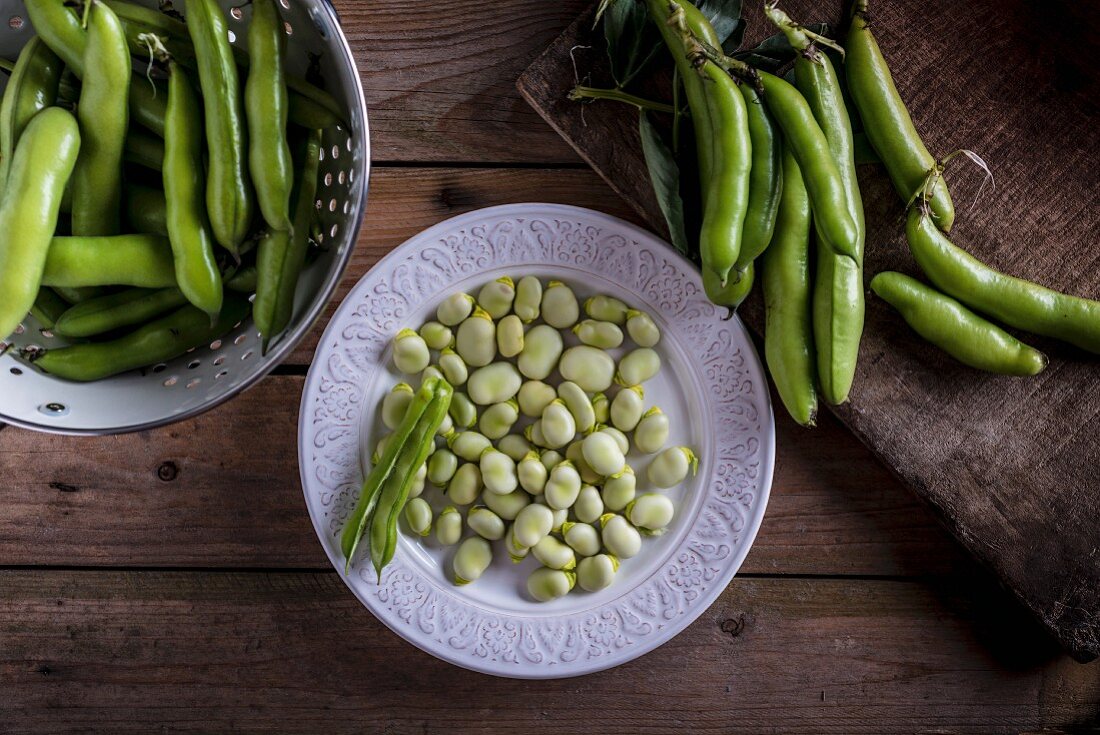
(1011, 465)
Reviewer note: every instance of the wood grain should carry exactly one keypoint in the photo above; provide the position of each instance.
(439, 77)
(129, 652)
(1008, 464)
(207, 493)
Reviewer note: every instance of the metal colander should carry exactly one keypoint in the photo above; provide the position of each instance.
(213, 373)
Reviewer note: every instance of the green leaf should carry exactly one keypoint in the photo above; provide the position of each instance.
(664, 174)
(725, 17)
(632, 41)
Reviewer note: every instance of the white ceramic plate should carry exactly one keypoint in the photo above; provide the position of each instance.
(711, 385)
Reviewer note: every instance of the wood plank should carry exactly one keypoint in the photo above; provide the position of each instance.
(209, 493)
(439, 77)
(1009, 464)
(403, 201)
(133, 652)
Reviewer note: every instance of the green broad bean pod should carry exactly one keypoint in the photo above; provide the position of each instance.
(602, 453)
(554, 554)
(463, 411)
(454, 309)
(515, 446)
(589, 506)
(485, 523)
(575, 454)
(281, 254)
(410, 353)
(107, 313)
(542, 347)
(638, 366)
(188, 227)
(604, 335)
(557, 425)
(550, 458)
(229, 200)
(604, 308)
(532, 525)
(468, 445)
(563, 486)
(527, 305)
(144, 261)
(534, 396)
(437, 336)
(442, 465)
(496, 297)
(583, 538)
(579, 405)
(32, 87)
(726, 194)
(453, 367)
(627, 408)
(507, 506)
(448, 527)
(590, 368)
(597, 572)
(494, 383)
(601, 408)
(559, 306)
(418, 515)
(618, 490)
(1012, 301)
(395, 404)
(785, 274)
(497, 420)
(465, 485)
(734, 293)
(158, 341)
(642, 329)
(476, 338)
(824, 184)
(650, 511)
(44, 158)
(266, 106)
(532, 473)
(546, 584)
(498, 472)
(886, 120)
(651, 433)
(670, 467)
(956, 330)
(619, 536)
(510, 336)
(765, 178)
(471, 560)
(103, 114)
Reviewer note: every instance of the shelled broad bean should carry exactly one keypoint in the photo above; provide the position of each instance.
(536, 457)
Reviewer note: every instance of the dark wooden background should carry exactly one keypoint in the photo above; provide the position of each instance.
(170, 581)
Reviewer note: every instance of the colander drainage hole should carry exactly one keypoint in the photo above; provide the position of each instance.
(16, 371)
(193, 382)
(193, 364)
(171, 381)
(220, 374)
(236, 13)
(240, 339)
(216, 344)
(219, 360)
(159, 367)
(54, 409)
(15, 22)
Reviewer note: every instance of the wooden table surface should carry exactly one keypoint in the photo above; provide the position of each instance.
(171, 580)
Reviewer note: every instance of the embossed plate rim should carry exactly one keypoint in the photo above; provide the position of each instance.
(679, 611)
